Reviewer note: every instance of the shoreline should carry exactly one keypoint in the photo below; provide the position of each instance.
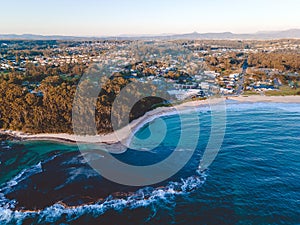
(264, 98)
(123, 136)
(116, 138)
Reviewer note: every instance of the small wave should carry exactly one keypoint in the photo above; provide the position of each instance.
(24, 174)
(254, 106)
(142, 198)
(5, 204)
(6, 147)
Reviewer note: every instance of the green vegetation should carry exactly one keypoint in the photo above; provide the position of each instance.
(26, 110)
(38, 79)
(251, 93)
(283, 91)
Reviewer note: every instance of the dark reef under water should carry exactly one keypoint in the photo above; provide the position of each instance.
(253, 180)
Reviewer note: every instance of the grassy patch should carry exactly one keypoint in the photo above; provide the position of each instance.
(251, 93)
(283, 91)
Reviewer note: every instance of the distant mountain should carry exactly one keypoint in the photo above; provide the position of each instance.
(292, 33)
(36, 37)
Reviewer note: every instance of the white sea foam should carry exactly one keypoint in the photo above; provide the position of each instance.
(24, 174)
(142, 198)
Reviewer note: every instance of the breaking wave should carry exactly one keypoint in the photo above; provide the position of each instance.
(58, 211)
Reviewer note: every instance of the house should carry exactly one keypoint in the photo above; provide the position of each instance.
(263, 87)
(186, 86)
(37, 93)
(226, 91)
(204, 85)
(186, 94)
(211, 74)
(234, 75)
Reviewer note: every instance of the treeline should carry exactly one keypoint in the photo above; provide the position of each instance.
(24, 111)
(38, 73)
(14, 49)
(282, 61)
(233, 61)
(288, 61)
(52, 112)
(35, 73)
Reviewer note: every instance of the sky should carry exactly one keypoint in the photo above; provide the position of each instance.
(119, 17)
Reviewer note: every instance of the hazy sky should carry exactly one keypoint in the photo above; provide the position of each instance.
(114, 17)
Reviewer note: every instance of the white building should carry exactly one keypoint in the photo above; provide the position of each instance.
(185, 94)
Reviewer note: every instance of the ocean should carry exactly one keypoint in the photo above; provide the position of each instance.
(253, 180)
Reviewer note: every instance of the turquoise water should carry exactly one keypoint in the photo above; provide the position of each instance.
(253, 180)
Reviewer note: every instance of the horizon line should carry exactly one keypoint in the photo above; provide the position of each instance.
(150, 34)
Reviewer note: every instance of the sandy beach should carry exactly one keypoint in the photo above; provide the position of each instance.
(262, 98)
(124, 135)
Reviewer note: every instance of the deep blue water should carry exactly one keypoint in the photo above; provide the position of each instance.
(253, 180)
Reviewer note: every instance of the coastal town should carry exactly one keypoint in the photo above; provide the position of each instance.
(198, 77)
(150, 112)
(39, 78)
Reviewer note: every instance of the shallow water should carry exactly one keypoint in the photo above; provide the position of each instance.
(253, 180)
